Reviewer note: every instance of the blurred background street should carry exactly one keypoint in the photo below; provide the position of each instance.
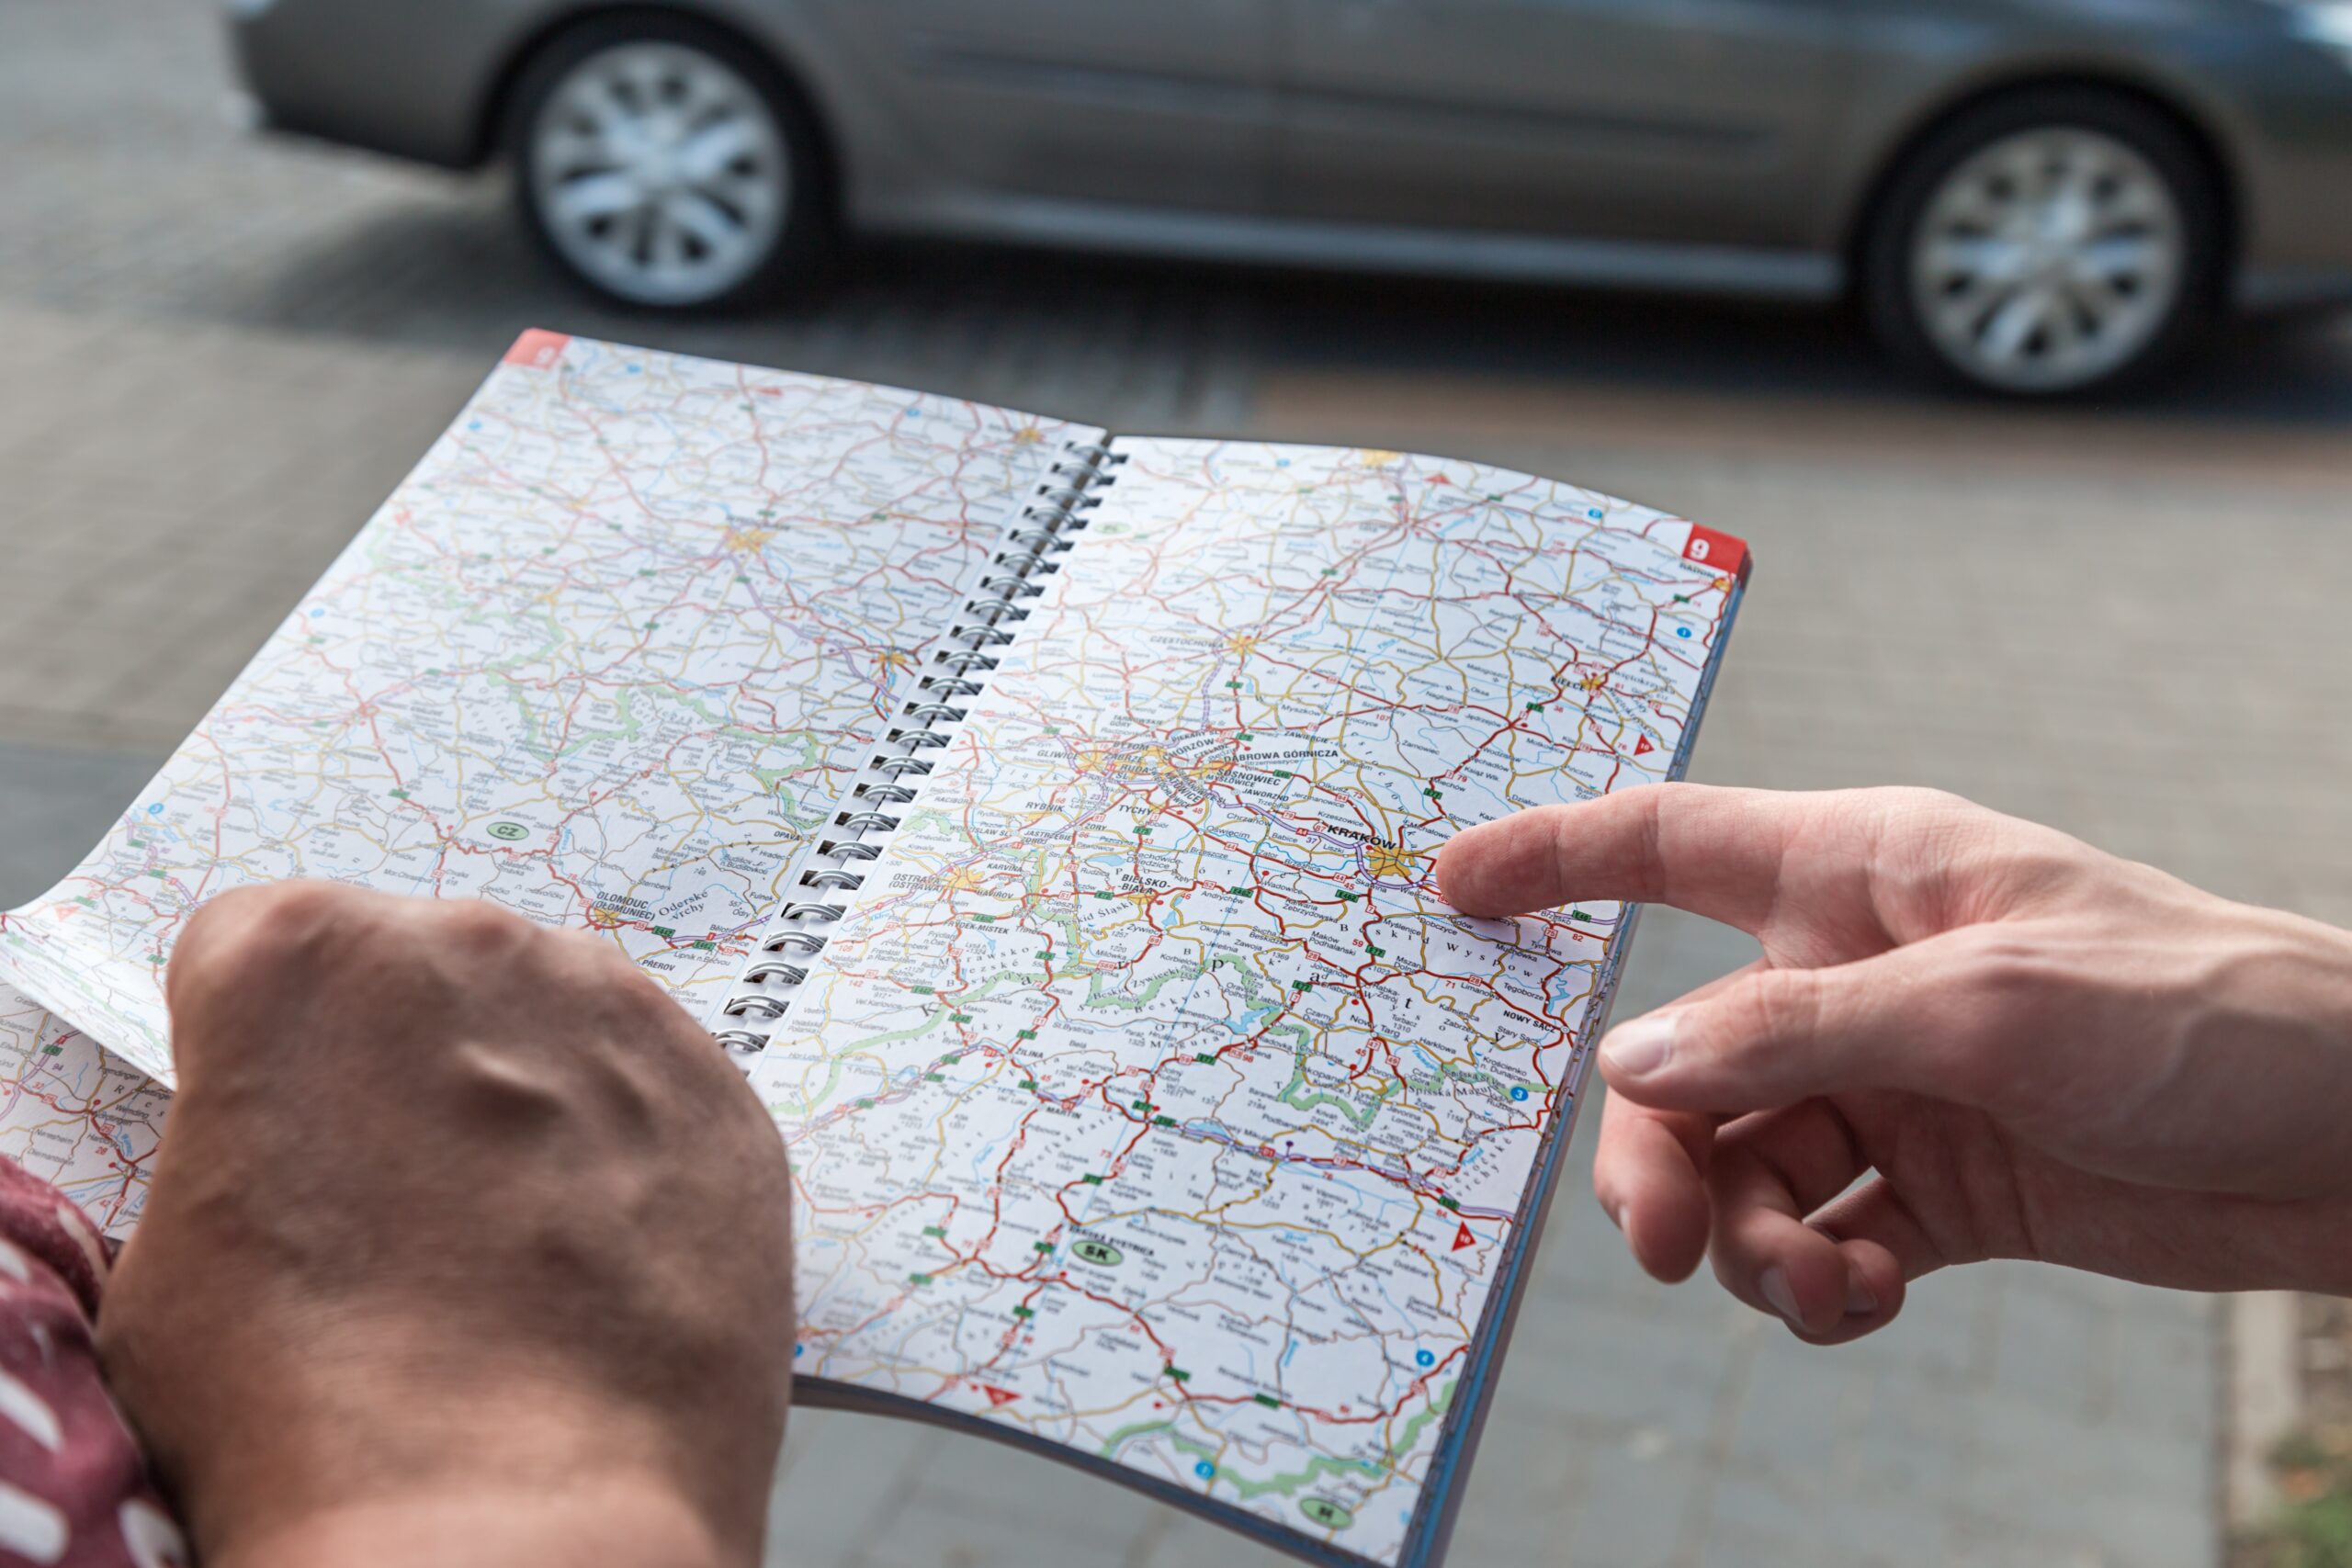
(218, 354)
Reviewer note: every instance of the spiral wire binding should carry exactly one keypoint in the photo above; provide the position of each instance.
(956, 671)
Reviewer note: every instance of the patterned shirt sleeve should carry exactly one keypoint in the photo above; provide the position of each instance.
(73, 1488)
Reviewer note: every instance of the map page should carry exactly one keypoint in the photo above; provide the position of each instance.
(1146, 1102)
(605, 657)
(82, 1121)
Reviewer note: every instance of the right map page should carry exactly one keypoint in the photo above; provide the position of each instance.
(1149, 1101)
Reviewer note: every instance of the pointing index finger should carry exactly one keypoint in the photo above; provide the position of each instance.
(1715, 853)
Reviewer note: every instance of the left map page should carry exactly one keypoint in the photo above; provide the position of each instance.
(83, 1121)
(605, 657)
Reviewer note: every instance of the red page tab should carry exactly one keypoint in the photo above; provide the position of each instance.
(537, 349)
(1721, 551)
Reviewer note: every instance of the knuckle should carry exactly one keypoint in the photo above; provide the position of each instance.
(2002, 972)
(1915, 805)
(607, 965)
(266, 927)
(1783, 1007)
(1949, 862)
(1926, 830)
(2014, 856)
(2002, 960)
(495, 1089)
(1999, 975)
(478, 926)
(604, 978)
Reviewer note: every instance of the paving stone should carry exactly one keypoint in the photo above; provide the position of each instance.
(1643, 1512)
(841, 1477)
(53, 804)
(1181, 1540)
(1796, 1419)
(1910, 1441)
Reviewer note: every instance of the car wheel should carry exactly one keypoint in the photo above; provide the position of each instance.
(665, 165)
(2049, 243)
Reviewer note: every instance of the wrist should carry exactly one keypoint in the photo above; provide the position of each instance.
(613, 1522)
(2256, 1058)
(368, 1463)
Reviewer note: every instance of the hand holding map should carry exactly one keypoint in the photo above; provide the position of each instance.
(518, 1180)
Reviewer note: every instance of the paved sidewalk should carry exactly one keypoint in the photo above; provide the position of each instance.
(216, 358)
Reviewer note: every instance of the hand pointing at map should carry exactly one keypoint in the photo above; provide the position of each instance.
(1969, 1037)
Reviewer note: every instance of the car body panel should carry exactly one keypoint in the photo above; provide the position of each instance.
(1729, 145)
(1698, 120)
(1072, 99)
(412, 79)
(1498, 256)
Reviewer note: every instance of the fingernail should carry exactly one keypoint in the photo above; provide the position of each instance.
(1775, 1286)
(1860, 1300)
(1640, 1045)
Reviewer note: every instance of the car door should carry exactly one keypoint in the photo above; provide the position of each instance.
(1146, 102)
(1639, 119)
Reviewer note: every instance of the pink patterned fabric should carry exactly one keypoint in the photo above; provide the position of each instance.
(73, 1489)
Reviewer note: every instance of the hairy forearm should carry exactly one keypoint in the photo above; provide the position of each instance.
(383, 1450)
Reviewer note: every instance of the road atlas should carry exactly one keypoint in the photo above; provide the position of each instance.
(1047, 823)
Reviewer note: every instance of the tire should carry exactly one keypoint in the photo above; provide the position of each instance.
(2052, 241)
(667, 165)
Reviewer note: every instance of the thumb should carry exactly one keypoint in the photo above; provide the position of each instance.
(1920, 1019)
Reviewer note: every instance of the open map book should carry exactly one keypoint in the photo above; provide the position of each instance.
(1047, 822)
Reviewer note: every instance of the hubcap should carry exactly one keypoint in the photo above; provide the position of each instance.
(660, 172)
(2047, 259)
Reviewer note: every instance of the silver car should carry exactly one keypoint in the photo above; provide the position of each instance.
(2033, 195)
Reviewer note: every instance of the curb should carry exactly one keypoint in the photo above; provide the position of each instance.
(2262, 1400)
